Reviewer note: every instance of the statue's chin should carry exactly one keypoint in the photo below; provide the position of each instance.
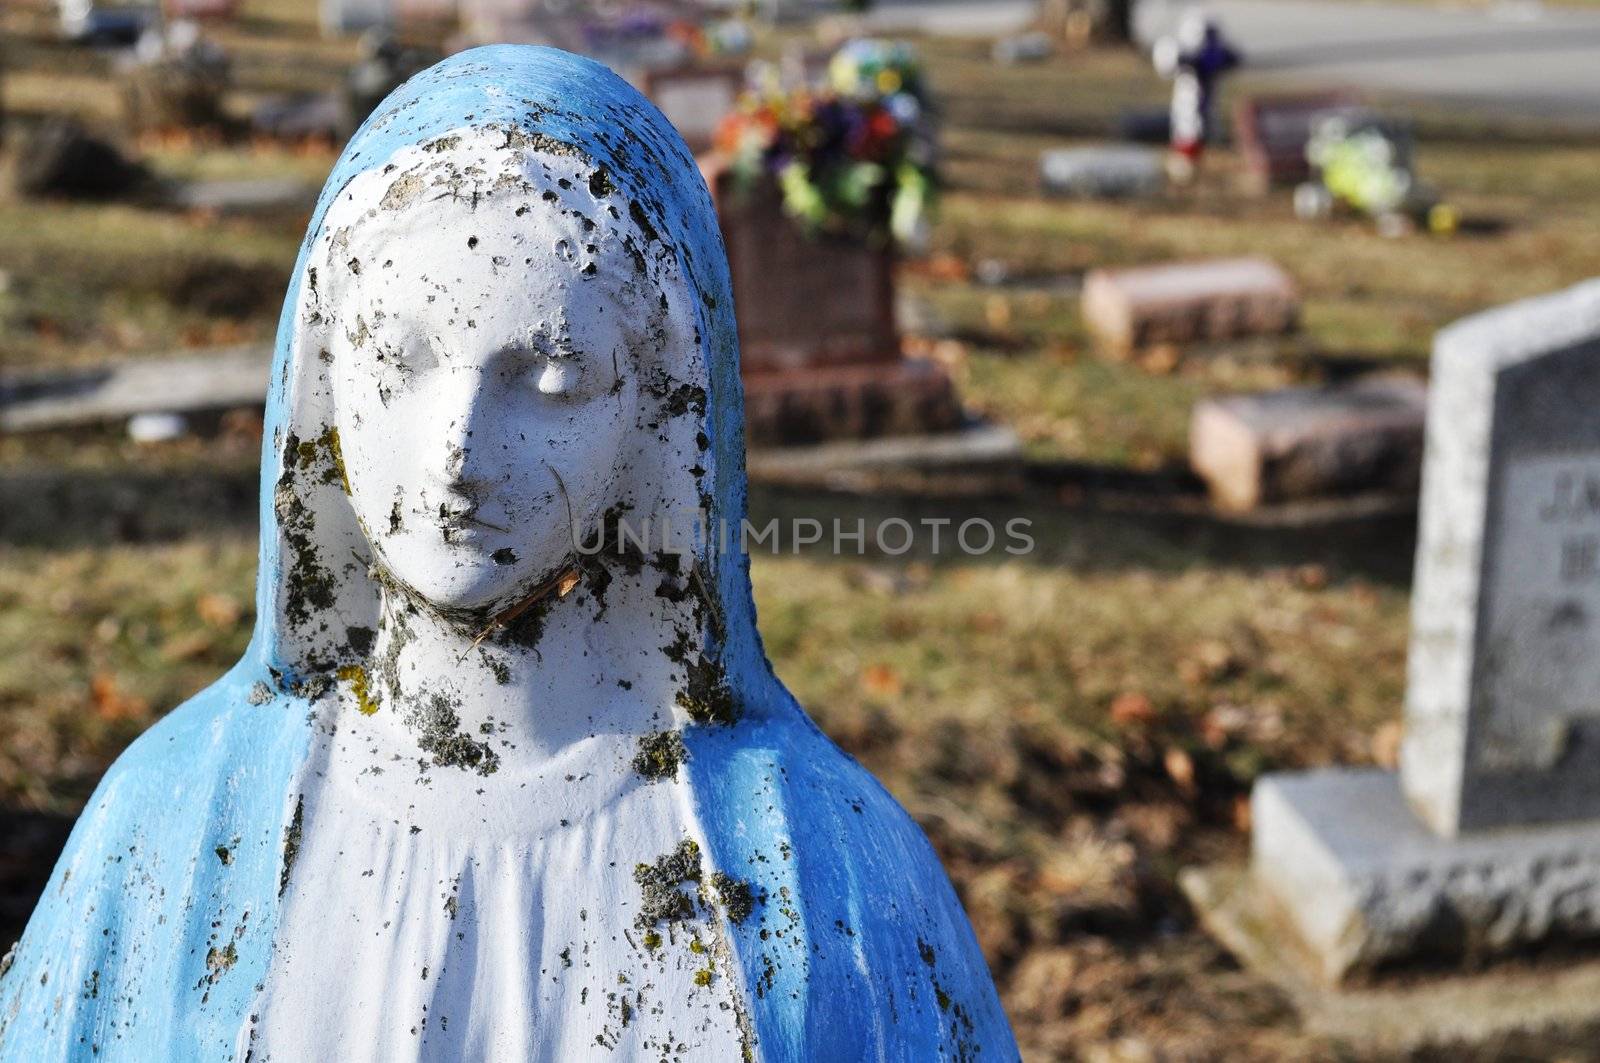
(463, 582)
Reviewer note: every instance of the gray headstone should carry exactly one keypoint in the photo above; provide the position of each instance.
(1112, 171)
(1503, 699)
(1372, 869)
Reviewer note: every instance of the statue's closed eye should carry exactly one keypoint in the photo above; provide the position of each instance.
(561, 377)
(414, 357)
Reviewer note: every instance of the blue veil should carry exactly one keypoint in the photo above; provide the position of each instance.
(155, 931)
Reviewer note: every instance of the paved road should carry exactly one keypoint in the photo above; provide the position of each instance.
(1516, 55)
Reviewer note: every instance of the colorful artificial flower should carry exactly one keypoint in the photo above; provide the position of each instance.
(856, 156)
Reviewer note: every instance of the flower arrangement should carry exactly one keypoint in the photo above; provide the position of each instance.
(1366, 164)
(856, 156)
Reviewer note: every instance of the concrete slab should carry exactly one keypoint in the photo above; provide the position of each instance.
(1365, 885)
(214, 380)
(977, 459)
(1188, 302)
(1397, 1014)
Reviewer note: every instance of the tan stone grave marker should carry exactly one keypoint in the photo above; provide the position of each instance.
(1217, 299)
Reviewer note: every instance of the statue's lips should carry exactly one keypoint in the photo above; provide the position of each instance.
(461, 523)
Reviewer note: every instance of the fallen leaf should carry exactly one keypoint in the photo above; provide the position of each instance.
(110, 703)
(219, 610)
(881, 680)
(1180, 768)
(1131, 708)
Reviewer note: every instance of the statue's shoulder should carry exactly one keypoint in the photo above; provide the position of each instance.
(161, 901)
(155, 757)
(835, 802)
(194, 749)
(860, 939)
(188, 785)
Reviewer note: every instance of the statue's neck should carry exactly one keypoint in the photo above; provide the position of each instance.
(599, 663)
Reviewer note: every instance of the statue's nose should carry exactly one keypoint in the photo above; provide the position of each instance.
(462, 404)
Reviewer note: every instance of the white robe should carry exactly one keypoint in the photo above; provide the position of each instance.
(471, 918)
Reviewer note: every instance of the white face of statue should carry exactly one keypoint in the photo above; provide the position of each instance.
(485, 347)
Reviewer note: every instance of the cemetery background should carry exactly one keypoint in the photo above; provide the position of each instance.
(1071, 728)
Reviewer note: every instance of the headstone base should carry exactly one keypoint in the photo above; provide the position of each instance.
(1533, 1009)
(905, 397)
(1365, 887)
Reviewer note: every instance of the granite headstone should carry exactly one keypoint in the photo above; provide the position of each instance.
(1487, 841)
(1503, 706)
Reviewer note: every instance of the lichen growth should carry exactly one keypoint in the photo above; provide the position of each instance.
(527, 627)
(439, 733)
(737, 897)
(706, 696)
(662, 899)
(398, 630)
(497, 667)
(360, 687)
(325, 447)
(260, 694)
(309, 586)
(360, 639)
(685, 398)
(291, 842)
(659, 755)
(220, 961)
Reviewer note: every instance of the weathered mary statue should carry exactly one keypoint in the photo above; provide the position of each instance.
(494, 780)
